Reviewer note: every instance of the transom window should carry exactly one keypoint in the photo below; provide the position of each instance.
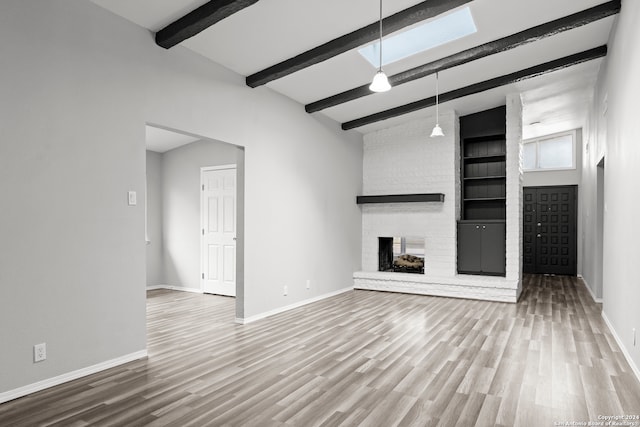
(551, 152)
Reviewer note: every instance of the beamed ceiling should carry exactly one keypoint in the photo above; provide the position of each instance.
(549, 51)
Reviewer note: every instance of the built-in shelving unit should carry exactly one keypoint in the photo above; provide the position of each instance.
(483, 168)
(400, 198)
(481, 229)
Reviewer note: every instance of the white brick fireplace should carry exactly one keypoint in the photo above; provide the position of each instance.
(405, 160)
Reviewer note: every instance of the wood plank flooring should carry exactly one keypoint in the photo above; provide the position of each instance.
(358, 359)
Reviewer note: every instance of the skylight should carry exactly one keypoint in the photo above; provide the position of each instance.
(423, 37)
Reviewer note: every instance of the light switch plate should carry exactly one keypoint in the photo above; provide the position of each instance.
(132, 198)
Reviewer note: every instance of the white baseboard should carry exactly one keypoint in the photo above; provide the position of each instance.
(175, 288)
(627, 356)
(70, 376)
(586, 285)
(245, 320)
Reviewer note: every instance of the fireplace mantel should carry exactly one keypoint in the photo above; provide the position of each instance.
(400, 198)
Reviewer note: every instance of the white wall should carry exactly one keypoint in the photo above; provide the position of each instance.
(181, 207)
(78, 86)
(614, 133)
(155, 276)
(72, 269)
(514, 205)
(404, 160)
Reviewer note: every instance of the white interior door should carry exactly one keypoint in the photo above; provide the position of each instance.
(219, 230)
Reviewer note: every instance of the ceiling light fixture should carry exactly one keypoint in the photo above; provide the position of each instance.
(380, 82)
(437, 130)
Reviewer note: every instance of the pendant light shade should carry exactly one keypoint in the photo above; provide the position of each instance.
(380, 82)
(437, 130)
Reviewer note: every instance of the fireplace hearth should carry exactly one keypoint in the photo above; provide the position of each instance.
(401, 254)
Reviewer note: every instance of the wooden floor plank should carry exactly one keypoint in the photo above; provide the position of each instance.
(358, 359)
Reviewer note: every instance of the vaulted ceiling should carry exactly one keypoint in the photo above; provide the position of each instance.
(549, 51)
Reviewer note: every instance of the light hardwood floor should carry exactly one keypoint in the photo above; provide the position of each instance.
(358, 359)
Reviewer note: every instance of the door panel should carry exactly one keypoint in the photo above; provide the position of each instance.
(229, 214)
(229, 264)
(529, 231)
(549, 223)
(213, 251)
(469, 247)
(213, 214)
(493, 248)
(219, 231)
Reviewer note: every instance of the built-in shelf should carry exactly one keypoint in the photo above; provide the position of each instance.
(401, 198)
(485, 158)
(484, 199)
(478, 178)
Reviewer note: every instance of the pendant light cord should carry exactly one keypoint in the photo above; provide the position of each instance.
(380, 69)
(437, 106)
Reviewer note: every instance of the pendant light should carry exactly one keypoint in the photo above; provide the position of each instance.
(380, 82)
(437, 130)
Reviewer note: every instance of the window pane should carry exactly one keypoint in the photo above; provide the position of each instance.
(529, 156)
(556, 153)
(432, 33)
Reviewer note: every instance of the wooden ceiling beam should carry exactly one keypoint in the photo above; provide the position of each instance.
(420, 12)
(475, 88)
(198, 20)
(506, 43)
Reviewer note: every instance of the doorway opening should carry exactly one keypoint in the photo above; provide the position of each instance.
(175, 162)
(599, 229)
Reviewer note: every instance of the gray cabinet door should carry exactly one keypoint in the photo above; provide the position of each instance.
(469, 247)
(493, 248)
(481, 248)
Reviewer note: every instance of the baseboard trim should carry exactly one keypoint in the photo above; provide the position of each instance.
(586, 285)
(626, 354)
(245, 320)
(70, 376)
(175, 288)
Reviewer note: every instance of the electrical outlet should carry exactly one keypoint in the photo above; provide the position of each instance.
(39, 352)
(308, 284)
(285, 290)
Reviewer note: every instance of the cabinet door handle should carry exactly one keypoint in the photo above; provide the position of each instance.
(484, 227)
(539, 224)
(539, 235)
(477, 227)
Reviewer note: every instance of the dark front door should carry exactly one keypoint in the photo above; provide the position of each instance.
(550, 230)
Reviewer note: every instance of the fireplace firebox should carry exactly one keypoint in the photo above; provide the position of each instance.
(401, 254)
